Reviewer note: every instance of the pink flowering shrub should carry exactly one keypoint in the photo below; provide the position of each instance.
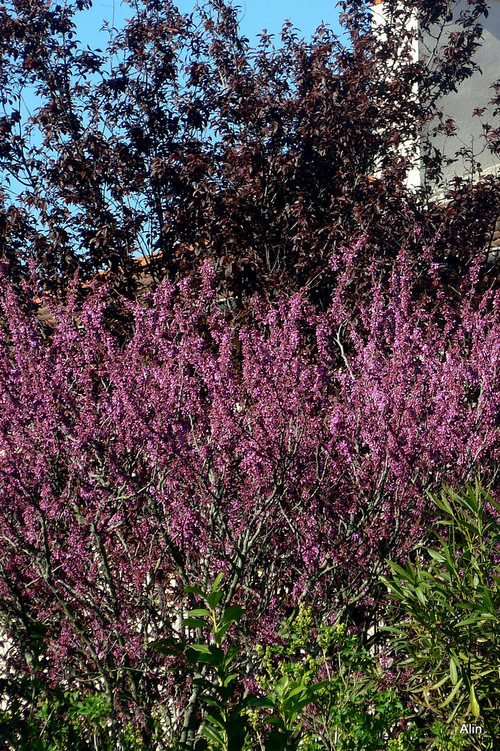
(291, 455)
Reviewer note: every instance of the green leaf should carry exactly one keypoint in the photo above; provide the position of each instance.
(213, 599)
(490, 604)
(195, 623)
(212, 735)
(469, 501)
(220, 632)
(294, 707)
(442, 502)
(195, 589)
(408, 574)
(275, 721)
(470, 621)
(232, 613)
(204, 648)
(396, 590)
(207, 659)
(211, 701)
(421, 597)
(296, 689)
(216, 719)
(434, 686)
(231, 652)
(168, 646)
(259, 702)
(474, 705)
(319, 686)
(437, 556)
(451, 696)
(199, 612)
(217, 581)
(206, 651)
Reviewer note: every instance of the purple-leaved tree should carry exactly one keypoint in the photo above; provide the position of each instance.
(182, 142)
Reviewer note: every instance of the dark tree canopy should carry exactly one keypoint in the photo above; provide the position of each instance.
(181, 141)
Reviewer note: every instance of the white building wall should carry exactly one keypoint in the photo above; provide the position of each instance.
(473, 93)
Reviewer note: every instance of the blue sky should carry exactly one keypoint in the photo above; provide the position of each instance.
(256, 15)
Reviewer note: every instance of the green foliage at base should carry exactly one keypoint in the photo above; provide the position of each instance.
(446, 623)
(349, 710)
(57, 720)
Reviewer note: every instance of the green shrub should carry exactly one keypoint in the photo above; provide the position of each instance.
(350, 711)
(446, 625)
(54, 719)
(321, 689)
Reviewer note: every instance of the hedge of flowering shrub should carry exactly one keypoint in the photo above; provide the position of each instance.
(293, 455)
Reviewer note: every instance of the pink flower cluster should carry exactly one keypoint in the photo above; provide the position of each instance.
(293, 454)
